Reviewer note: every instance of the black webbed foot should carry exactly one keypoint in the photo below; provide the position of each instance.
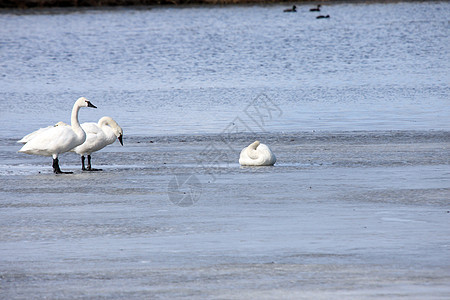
(93, 169)
(56, 168)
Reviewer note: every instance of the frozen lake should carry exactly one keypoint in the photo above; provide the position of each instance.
(355, 215)
(355, 108)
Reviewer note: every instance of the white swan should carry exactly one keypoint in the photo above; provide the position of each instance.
(30, 136)
(98, 136)
(59, 139)
(257, 154)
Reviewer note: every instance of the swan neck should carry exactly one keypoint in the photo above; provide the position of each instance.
(102, 122)
(107, 123)
(254, 145)
(252, 153)
(74, 120)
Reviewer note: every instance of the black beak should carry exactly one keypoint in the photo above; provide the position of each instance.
(91, 105)
(120, 139)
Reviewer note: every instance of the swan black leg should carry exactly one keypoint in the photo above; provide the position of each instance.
(89, 168)
(56, 168)
(83, 168)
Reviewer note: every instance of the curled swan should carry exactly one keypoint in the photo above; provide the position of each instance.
(257, 154)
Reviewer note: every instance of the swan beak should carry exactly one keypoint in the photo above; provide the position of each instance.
(91, 105)
(120, 139)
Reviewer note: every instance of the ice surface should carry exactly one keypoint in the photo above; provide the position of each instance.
(326, 221)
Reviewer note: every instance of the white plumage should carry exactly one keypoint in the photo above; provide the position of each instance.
(257, 154)
(30, 136)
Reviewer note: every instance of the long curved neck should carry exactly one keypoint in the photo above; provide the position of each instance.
(74, 121)
(251, 150)
(106, 125)
(102, 122)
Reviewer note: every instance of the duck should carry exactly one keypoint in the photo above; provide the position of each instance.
(98, 136)
(315, 8)
(59, 139)
(323, 17)
(293, 9)
(257, 154)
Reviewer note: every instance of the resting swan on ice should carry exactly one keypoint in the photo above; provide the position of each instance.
(98, 136)
(58, 139)
(257, 154)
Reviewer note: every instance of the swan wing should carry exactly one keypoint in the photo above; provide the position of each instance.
(266, 155)
(95, 139)
(30, 136)
(91, 127)
(55, 140)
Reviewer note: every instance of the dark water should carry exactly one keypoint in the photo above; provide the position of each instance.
(355, 108)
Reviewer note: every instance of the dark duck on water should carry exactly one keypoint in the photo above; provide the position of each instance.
(293, 9)
(316, 8)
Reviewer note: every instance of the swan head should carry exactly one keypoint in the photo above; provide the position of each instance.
(60, 123)
(118, 131)
(83, 102)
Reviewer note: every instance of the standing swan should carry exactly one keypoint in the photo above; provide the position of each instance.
(59, 139)
(98, 136)
(257, 154)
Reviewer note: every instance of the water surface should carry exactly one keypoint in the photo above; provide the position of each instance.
(192, 70)
(355, 108)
